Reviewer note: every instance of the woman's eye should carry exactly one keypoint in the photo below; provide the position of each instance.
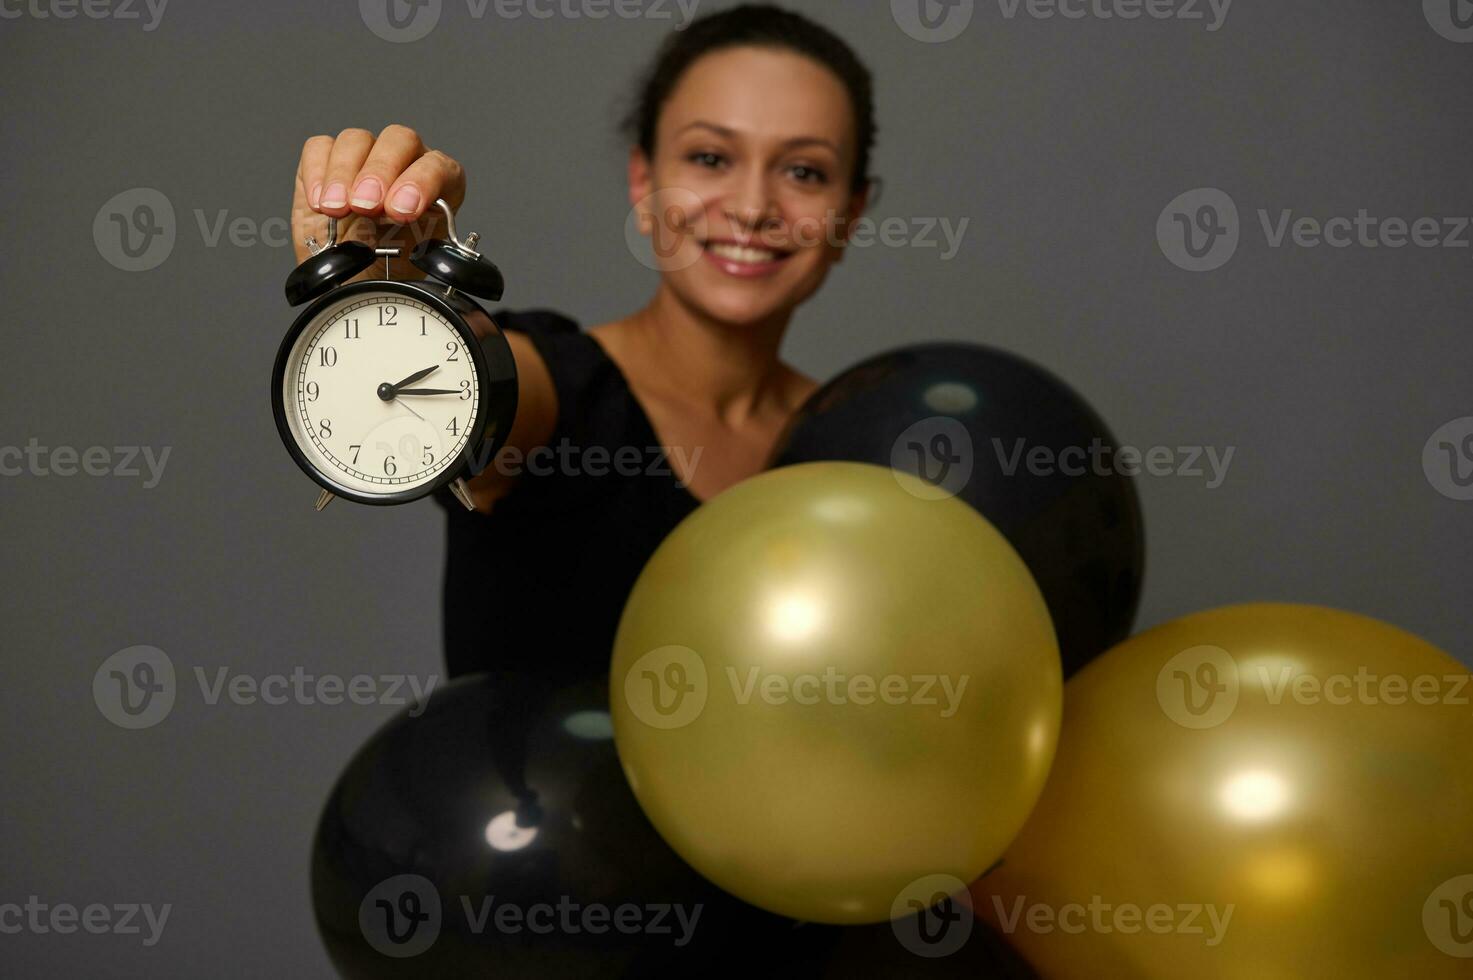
(810, 175)
(706, 159)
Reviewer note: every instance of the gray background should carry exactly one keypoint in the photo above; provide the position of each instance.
(1060, 141)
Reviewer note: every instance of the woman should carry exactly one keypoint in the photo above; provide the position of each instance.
(751, 136)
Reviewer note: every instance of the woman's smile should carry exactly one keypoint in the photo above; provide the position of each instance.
(744, 261)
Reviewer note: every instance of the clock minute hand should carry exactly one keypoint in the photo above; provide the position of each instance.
(430, 391)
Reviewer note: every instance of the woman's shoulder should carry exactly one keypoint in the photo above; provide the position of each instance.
(797, 387)
(553, 350)
(536, 320)
(555, 343)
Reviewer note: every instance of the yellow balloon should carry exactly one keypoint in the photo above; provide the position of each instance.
(1265, 792)
(832, 692)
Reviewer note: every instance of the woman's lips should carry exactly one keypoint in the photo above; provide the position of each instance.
(744, 262)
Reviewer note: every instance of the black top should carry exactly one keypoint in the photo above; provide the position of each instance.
(538, 585)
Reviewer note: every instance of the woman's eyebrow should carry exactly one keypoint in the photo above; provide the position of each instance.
(730, 133)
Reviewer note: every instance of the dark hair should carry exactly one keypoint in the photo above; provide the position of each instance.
(754, 25)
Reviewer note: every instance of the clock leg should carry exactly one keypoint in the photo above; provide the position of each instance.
(462, 493)
(323, 499)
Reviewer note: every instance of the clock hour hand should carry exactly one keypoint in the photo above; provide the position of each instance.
(430, 391)
(387, 391)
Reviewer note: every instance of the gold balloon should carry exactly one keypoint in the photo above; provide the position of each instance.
(828, 685)
(1265, 792)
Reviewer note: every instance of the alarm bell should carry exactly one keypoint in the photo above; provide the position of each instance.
(456, 263)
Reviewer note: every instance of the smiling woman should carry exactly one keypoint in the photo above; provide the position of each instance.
(749, 146)
(750, 138)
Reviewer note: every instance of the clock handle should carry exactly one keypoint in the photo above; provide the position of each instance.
(468, 243)
(316, 247)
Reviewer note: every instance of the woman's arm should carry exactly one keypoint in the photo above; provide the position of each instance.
(536, 416)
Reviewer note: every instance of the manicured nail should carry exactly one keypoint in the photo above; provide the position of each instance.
(335, 196)
(406, 199)
(368, 193)
(316, 195)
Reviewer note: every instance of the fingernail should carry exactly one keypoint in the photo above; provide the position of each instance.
(406, 199)
(335, 196)
(316, 195)
(368, 193)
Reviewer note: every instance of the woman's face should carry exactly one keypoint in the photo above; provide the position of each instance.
(748, 196)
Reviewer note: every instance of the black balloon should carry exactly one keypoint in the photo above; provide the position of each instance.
(1019, 445)
(494, 835)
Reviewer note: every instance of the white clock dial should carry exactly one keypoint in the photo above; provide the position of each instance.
(347, 359)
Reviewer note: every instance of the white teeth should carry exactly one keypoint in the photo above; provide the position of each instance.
(737, 253)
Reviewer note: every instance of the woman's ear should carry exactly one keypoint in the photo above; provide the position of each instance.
(640, 176)
(858, 202)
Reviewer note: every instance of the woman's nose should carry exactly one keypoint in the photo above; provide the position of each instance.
(751, 204)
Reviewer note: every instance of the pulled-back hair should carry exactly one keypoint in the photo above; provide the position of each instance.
(754, 25)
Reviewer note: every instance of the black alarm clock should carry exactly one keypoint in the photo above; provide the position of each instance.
(386, 391)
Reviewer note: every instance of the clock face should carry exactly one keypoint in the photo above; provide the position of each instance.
(380, 393)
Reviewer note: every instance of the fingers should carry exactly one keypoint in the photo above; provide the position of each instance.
(392, 175)
(395, 149)
(432, 175)
(349, 151)
(312, 168)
